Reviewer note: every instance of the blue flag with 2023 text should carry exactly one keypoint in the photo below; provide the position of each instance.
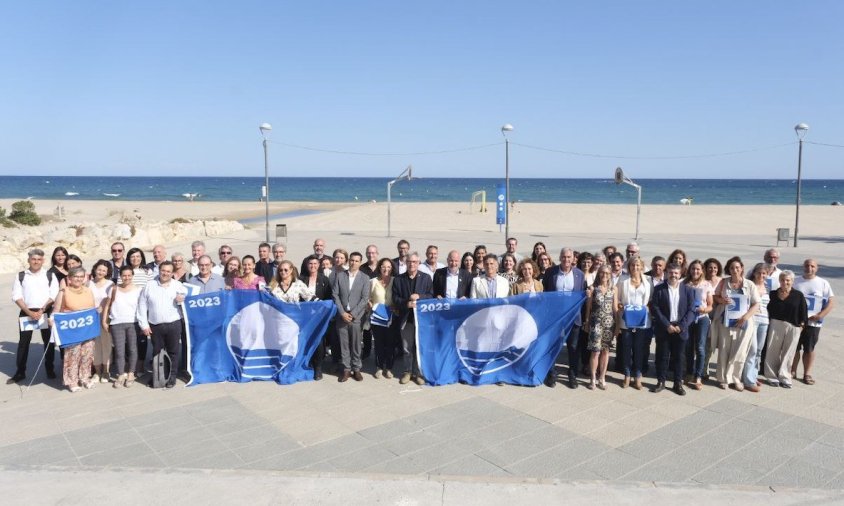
(76, 327)
(249, 335)
(512, 340)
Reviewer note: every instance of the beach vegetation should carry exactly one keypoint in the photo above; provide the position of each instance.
(4, 220)
(23, 212)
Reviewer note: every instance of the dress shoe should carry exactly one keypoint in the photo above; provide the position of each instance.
(317, 374)
(678, 388)
(550, 380)
(419, 380)
(357, 376)
(572, 382)
(345, 376)
(660, 386)
(170, 383)
(753, 388)
(637, 384)
(51, 374)
(17, 378)
(405, 379)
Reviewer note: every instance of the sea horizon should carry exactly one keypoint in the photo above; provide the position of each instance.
(702, 191)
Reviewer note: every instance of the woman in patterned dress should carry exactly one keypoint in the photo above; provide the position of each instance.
(286, 285)
(601, 302)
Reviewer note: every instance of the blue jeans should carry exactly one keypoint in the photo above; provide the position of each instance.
(751, 365)
(635, 349)
(696, 363)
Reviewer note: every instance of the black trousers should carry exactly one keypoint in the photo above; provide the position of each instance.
(167, 336)
(674, 345)
(572, 345)
(23, 349)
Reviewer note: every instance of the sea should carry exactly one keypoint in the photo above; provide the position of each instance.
(367, 189)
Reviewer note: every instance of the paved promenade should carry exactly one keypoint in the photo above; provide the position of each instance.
(433, 445)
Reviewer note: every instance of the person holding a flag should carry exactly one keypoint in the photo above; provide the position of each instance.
(78, 358)
(734, 324)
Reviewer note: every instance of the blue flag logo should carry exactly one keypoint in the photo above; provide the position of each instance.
(246, 335)
(512, 340)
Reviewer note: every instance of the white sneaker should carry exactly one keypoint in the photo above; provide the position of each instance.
(95, 378)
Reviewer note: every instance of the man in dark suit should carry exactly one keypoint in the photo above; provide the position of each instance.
(407, 289)
(400, 262)
(565, 277)
(351, 294)
(319, 254)
(452, 282)
(673, 310)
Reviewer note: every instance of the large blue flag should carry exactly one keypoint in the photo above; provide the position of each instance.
(75, 327)
(245, 335)
(512, 340)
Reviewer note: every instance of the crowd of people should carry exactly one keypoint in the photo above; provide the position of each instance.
(760, 320)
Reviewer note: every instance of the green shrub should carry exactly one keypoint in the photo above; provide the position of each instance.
(23, 212)
(4, 220)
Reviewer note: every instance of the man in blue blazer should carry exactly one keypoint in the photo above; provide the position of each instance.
(452, 282)
(565, 277)
(409, 287)
(673, 310)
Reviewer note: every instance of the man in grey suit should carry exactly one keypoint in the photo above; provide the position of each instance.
(351, 293)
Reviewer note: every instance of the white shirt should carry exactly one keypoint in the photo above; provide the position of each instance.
(427, 269)
(157, 303)
(818, 289)
(451, 282)
(772, 282)
(36, 288)
(217, 269)
(674, 300)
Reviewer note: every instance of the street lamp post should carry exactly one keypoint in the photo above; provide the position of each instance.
(406, 174)
(265, 131)
(800, 129)
(504, 129)
(621, 178)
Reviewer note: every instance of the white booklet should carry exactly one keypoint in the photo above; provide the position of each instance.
(27, 323)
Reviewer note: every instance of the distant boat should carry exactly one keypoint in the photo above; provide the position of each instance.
(190, 196)
(687, 201)
(71, 194)
(111, 194)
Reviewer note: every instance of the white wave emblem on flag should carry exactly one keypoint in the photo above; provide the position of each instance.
(495, 338)
(262, 340)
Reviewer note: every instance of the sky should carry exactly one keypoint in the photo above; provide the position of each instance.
(179, 88)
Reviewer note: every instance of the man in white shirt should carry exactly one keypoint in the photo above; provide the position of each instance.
(430, 265)
(224, 253)
(565, 277)
(819, 300)
(159, 316)
(490, 285)
(616, 261)
(400, 262)
(197, 249)
(33, 292)
(510, 246)
(772, 258)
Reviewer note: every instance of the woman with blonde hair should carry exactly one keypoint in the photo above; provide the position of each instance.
(527, 282)
(634, 321)
(286, 285)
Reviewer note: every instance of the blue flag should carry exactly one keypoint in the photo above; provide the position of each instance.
(76, 327)
(245, 335)
(512, 340)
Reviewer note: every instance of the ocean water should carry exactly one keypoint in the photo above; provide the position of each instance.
(342, 189)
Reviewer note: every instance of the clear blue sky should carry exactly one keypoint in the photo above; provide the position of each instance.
(98, 88)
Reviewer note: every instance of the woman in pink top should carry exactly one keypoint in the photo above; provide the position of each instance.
(248, 280)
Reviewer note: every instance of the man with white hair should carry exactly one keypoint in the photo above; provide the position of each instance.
(197, 249)
(772, 258)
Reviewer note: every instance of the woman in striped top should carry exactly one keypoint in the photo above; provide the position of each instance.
(137, 261)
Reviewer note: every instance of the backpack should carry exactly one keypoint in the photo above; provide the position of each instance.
(161, 366)
(22, 274)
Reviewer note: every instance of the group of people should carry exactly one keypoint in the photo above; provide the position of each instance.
(757, 321)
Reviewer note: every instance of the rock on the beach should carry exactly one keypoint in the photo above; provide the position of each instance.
(60, 235)
(121, 231)
(213, 228)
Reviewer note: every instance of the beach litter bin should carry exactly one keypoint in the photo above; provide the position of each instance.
(783, 235)
(281, 231)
